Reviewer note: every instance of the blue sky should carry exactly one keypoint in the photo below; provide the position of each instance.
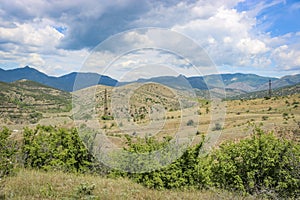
(278, 19)
(58, 37)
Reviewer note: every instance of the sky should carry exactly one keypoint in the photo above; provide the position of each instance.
(61, 36)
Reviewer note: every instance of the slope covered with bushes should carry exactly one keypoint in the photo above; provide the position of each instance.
(261, 165)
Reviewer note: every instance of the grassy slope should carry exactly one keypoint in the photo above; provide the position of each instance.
(30, 184)
(30, 93)
(26, 102)
(238, 114)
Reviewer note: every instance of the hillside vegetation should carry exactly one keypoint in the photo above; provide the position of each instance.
(256, 156)
(25, 101)
(263, 165)
(58, 185)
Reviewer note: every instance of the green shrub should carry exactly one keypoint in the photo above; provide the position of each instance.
(46, 147)
(190, 123)
(7, 153)
(85, 191)
(262, 164)
(217, 127)
(187, 171)
(264, 118)
(107, 117)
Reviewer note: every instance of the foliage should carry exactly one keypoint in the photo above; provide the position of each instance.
(35, 117)
(217, 127)
(47, 147)
(190, 123)
(187, 171)
(262, 164)
(85, 191)
(7, 153)
(107, 117)
(264, 118)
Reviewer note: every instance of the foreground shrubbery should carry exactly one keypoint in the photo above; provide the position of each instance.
(187, 171)
(260, 165)
(50, 148)
(7, 153)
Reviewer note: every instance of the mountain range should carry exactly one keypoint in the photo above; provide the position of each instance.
(237, 82)
(65, 82)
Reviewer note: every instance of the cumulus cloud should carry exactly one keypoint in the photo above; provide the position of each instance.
(288, 58)
(57, 36)
(33, 38)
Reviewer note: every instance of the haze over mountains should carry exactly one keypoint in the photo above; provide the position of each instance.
(238, 82)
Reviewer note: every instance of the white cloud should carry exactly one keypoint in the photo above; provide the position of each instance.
(32, 37)
(286, 57)
(33, 59)
(31, 33)
(252, 46)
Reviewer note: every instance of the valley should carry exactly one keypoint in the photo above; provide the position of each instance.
(114, 124)
(151, 110)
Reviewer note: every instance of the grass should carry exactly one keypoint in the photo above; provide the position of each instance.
(33, 184)
(239, 113)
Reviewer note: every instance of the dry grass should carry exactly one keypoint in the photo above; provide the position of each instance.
(31, 184)
(239, 113)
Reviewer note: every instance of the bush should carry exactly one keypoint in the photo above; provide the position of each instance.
(217, 127)
(264, 118)
(85, 191)
(187, 171)
(190, 123)
(262, 164)
(7, 153)
(107, 117)
(48, 148)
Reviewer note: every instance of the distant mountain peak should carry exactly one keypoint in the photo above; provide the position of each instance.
(65, 82)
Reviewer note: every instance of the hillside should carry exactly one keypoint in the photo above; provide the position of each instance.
(25, 101)
(283, 91)
(134, 113)
(284, 81)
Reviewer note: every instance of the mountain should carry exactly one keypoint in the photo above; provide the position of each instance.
(284, 81)
(240, 83)
(251, 80)
(282, 91)
(237, 81)
(234, 84)
(179, 82)
(70, 82)
(66, 82)
(198, 82)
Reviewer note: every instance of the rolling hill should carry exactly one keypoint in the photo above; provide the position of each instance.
(25, 101)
